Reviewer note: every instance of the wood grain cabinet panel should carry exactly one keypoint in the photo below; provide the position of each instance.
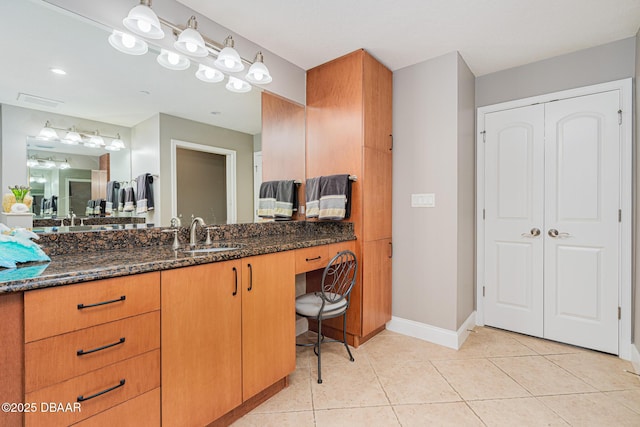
(110, 385)
(376, 272)
(58, 310)
(309, 259)
(201, 343)
(268, 320)
(143, 410)
(58, 358)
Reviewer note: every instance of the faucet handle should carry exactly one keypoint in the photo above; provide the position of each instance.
(208, 241)
(176, 241)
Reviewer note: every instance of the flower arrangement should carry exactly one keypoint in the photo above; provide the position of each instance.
(20, 191)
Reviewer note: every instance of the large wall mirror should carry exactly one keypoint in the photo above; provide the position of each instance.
(132, 97)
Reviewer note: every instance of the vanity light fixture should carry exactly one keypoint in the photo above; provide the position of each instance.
(238, 86)
(127, 43)
(58, 71)
(190, 42)
(173, 61)
(64, 165)
(95, 140)
(258, 72)
(116, 145)
(32, 162)
(48, 164)
(228, 58)
(208, 74)
(143, 21)
(47, 132)
(72, 137)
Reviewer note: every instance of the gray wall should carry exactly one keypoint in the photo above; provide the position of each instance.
(199, 133)
(636, 273)
(608, 62)
(433, 150)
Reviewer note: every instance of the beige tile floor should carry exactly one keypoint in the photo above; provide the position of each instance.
(497, 378)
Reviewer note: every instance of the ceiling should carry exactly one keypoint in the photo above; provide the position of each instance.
(491, 35)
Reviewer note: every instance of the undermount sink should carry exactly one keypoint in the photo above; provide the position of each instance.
(207, 250)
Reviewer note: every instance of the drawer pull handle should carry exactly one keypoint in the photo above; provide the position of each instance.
(81, 398)
(313, 259)
(250, 278)
(122, 298)
(104, 347)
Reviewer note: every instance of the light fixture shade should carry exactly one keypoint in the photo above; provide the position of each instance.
(64, 165)
(190, 42)
(236, 85)
(258, 72)
(208, 74)
(173, 61)
(116, 145)
(31, 162)
(47, 132)
(228, 59)
(96, 140)
(48, 164)
(72, 138)
(126, 43)
(144, 22)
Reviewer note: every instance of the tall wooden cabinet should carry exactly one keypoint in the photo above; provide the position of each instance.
(349, 130)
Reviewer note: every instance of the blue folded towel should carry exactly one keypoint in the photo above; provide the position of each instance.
(17, 248)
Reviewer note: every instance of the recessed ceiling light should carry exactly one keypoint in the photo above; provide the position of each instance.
(59, 71)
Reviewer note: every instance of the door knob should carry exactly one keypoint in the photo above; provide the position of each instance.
(557, 235)
(535, 232)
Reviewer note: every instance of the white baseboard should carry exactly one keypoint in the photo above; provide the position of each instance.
(434, 334)
(635, 358)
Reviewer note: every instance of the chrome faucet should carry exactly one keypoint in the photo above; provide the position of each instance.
(192, 230)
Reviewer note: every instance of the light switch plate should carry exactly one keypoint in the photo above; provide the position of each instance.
(426, 200)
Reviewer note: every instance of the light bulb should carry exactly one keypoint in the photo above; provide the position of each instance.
(229, 63)
(128, 40)
(258, 75)
(209, 73)
(191, 47)
(173, 58)
(237, 84)
(144, 26)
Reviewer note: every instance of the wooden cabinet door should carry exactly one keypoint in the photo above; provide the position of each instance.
(268, 320)
(377, 182)
(201, 343)
(376, 284)
(378, 104)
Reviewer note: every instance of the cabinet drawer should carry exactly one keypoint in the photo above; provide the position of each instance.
(310, 259)
(101, 389)
(56, 359)
(334, 248)
(143, 410)
(55, 311)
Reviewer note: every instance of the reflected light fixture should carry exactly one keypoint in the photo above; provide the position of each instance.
(208, 74)
(258, 72)
(236, 85)
(190, 42)
(72, 137)
(64, 165)
(228, 58)
(143, 21)
(173, 61)
(127, 43)
(32, 162)
(48, 164)
(47, 132)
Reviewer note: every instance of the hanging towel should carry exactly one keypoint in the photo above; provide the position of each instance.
(334, 194)
(285, 199)
(129, 200)
(54, 205)
(121, 198)
(90, 206)
(144, 198)
(109, 203)
(312, 195)
(267, 199)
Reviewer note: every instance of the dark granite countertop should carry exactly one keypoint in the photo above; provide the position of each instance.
(80, 267)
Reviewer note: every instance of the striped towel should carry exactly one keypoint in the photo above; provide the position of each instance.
(334, 194)
(267, 199)
(312, 195)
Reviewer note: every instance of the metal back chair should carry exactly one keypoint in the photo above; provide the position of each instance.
(338, 279)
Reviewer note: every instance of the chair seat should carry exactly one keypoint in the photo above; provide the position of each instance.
(310, 304)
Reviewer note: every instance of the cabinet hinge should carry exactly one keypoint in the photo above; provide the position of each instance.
(619, 313)
(484, 136)
(483, 291)
(619, 215)
(619, 117)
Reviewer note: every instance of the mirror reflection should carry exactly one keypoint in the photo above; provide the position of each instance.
(116, 94)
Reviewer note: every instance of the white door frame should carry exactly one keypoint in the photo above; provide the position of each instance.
(230, 155)
(626, 196)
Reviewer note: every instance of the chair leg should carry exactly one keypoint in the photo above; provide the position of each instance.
(319, 357)
(344, 336)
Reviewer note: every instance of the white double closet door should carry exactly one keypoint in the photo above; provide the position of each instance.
(552, 239)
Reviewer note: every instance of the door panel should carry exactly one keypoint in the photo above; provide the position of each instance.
(582, 198)
(514, 151)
